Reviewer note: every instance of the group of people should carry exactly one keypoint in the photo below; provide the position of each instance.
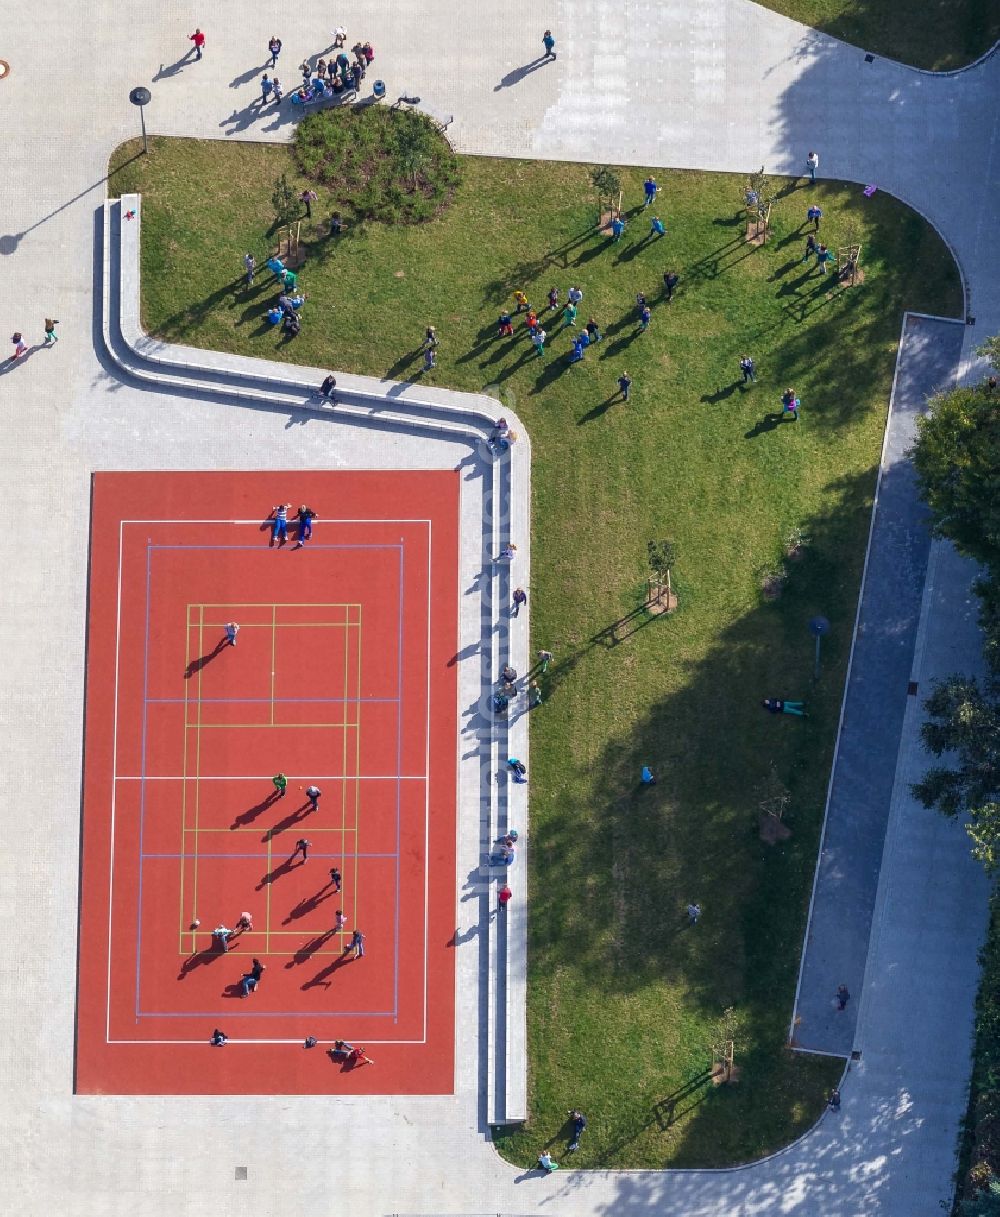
(279, 528)
(329, 78)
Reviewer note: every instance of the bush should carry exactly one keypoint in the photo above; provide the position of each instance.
(393, 166)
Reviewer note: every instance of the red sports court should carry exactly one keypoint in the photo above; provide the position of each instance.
(340, 677)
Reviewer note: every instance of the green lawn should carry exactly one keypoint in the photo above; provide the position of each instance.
(937, 34)
(623, 997)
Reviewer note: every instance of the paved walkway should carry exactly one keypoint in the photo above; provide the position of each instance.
(725, 86)
(879, 685)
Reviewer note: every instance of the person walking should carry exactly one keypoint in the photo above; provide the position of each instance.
(550, 45)
(545, 658)
(811, 247)
(625, 385)
(335, 879)
(308, 197)
(266, 89)
(50, 331)
(430, 337)
(656, 228)
(220, 936)
(823, 258)
(748, 369)
(519, 597)
(649, 188)
(277, 90)
(327, 387)
(593, 330)
(313, 795)
(358, 944)
(198, 38)
(20, 347)
(843, 997)
(617, 228)
(790, 404)
(534, 695)
(575, 296)
(339, 920)
(301, 847)
(280, 783)
(521, 300)
(693, 912)
(305, 516)
(538, 337)
(644, 318)
(339, 37)
(430, 359)
(812, 164)
(813, 215)
(670, 279)
(503, 898)
(274, 49)
(553, 303)
(232, 629)
(279, 528)
(249, 266)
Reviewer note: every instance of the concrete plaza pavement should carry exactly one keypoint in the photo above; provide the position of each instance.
(727, 86)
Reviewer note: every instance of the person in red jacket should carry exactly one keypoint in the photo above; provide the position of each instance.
(503, 895)
(198, 38)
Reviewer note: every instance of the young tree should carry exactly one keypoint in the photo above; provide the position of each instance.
(411, 148)
(607, 184)
(758, 198)
(661, 555)
(284, 202)
(773, 796)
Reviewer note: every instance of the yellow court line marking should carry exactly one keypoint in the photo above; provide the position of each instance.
(197, 750)
(265, 726)
(267, 909)
(187, 663)
(274, 653)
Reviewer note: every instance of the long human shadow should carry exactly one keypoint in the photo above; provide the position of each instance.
(202, 661)
(515, 75)
(200, 959)
(309, 904)
(309, 949)
(251, 813)
(251, 74)
(600, 409)
(278, 872)
(321, 979)
(165, 71)
(293, 817)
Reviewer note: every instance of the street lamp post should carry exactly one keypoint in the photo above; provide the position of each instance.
(140, 96)
(818, 626)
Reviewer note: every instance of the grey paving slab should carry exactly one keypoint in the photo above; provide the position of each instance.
(857, 812)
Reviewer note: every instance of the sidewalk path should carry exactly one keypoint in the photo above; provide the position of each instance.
(858, 806)
(724, 86)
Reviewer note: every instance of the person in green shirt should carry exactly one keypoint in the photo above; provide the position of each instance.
(280, 784)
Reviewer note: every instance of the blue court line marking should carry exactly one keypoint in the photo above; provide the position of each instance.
(241, 701)
(264, 545)
(399, 787)
(142, 783)
(398, 778)
(263, 854)
(266, 1014)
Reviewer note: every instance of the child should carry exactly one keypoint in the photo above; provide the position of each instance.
(532, 321)
(521, 300)
(50, 331)
(593, 330)
(790, 404)
(553, 298)
(505, 325)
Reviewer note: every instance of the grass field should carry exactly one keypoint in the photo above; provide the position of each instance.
(623, 997)
(938, 34)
